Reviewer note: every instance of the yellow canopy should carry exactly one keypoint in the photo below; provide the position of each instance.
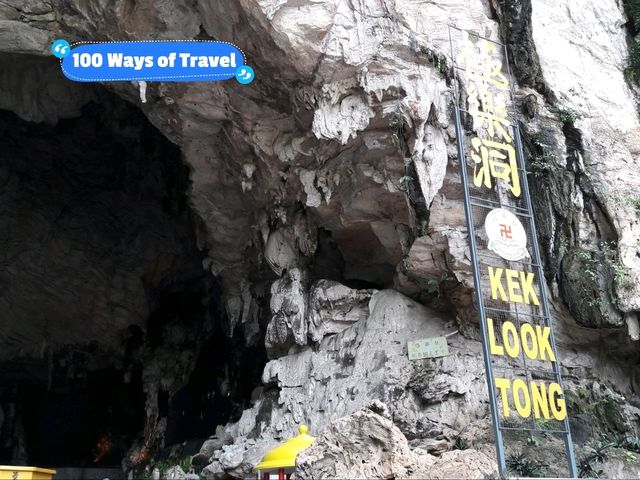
(284, 455)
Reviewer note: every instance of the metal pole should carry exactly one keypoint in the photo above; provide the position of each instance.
(471, 234)
(543, 294)
(486, 354)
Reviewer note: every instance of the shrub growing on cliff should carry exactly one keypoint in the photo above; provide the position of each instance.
(587, 468)
(568, 116)
(632, 8)
(460, 444)
(524, 466)
(631, 443)
(588, 465)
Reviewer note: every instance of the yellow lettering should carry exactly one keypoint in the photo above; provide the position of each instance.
(540, 400)
(519, 286)
(511, 345)
(496, 284)
(493, 346)
(542, 333)
(513, 285)
(502, 384)
(558, 405)
(532, 397)
(519, 387)
(530, 348)
(526, 281)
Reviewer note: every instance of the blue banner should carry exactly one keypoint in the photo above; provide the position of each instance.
(171, 61)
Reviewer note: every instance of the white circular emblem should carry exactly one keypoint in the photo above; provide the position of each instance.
(506, 235)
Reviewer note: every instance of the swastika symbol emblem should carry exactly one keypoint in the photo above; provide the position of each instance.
(505, 230)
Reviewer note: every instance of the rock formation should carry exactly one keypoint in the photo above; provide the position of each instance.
(241, 259)
(368, 445)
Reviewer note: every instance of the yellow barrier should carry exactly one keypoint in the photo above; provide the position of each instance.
(8, 472)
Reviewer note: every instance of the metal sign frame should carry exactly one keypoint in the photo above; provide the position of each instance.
(524, 212)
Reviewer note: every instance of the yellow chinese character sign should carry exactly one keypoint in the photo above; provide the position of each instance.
(519, 348)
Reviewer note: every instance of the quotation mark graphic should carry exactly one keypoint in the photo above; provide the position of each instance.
(245, 74)
(60, 48)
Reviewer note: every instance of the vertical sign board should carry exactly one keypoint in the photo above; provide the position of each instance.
(521, 361)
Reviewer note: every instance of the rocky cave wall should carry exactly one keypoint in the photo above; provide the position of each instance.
(313, 244)
(110, 333)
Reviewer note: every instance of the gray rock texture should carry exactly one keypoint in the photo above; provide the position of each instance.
(327, 214)
(367, 445)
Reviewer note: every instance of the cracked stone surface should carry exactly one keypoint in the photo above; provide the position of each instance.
(323, 251)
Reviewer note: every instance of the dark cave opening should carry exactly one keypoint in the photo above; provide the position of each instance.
(216, 392)
(110, 321)
(107, 413)
(57, 412)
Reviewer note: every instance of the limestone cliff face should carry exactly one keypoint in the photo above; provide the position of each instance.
(328, 202)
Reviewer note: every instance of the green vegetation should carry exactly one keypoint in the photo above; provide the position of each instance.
(542, 161)
(633, 10)
(421, 229)
(396, 124)
(632, 7)
(634, 201)
(568, 116)
(185, 464)
(523, 466)
(619, 272)
(600, 452)
(588, 467)
(460, 444)
(163, 465)
(548, 424)
(607, 412)
(441, 64)
(624, 198)
(542, 164)
(533, 441)
(632, 443)
(404, 182)
(433, 287)
(633, 70)
(606, 256)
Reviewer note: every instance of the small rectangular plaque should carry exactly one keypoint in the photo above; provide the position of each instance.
(432, 347)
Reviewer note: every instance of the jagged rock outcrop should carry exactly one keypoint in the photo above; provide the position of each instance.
(368, 445)
(327, 194)
(337, 121)
(333, 307)
(366, 360)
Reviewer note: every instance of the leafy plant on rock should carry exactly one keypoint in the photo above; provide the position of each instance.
(632, 8)
(587, 468)
(523, 466)
(433, 287)
(632, 443)
(533, 441)
(588, 465)
(405, 181)
(185, 464)
(461, 444)
(568, 116)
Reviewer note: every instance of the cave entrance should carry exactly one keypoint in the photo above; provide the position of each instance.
(217, 391)
(86, 423)
(96, 237)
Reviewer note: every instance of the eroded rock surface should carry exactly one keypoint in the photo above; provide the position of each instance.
(328, 194)
(367, 445)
